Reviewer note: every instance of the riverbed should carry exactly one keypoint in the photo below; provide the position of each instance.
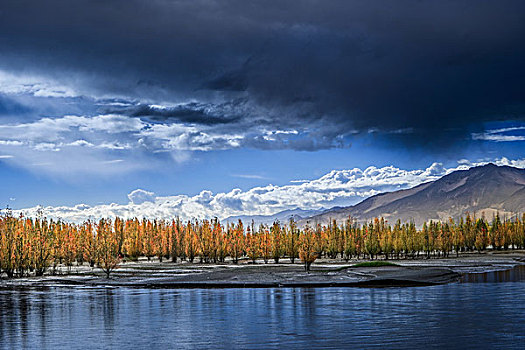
(324, 273)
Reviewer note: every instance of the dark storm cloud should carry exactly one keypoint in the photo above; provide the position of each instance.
(440, 68)
(193, 113)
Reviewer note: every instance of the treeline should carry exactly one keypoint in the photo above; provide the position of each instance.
(34, 246)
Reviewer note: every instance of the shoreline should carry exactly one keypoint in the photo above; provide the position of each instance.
(168, 275)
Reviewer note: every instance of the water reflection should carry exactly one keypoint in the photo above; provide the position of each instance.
(456, 315)
(516, 274)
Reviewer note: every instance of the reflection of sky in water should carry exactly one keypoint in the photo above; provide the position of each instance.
(441, 317)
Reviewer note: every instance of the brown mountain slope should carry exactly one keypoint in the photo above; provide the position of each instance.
(485, 189)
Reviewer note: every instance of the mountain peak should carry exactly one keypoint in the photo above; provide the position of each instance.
(483, 189)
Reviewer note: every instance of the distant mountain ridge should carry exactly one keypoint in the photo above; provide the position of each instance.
(283, 217)
(484, 189)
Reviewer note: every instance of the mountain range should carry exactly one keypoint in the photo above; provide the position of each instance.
(483, 190)
(284, 216)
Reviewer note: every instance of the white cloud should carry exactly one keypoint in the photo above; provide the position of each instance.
(436, 169)
(140, 196)
(81, 143)
(336, 188)
(498, 138)
(72, 145)
(273, 135)
(517, 163)
(33, 84)
(112, 161)
(46, 146)
(10, 143)
(249, 176)
(500, 135)
(68, 128)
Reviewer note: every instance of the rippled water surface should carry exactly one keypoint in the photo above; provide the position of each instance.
(461, 315)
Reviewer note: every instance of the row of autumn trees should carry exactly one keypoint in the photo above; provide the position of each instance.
(34, 246)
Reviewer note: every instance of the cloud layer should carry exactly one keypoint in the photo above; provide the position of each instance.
(327, 70)
(113, 143)
(336, 188)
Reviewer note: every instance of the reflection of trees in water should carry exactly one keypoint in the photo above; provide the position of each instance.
(7, 313)
(108, 311)
(516, 274)
(23, 315)
(36, 319)
(15, 317)
(41, 306)
(294, 311)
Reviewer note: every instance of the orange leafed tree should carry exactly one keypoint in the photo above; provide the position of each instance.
(236, 240)
(107, 243)
(308, 249)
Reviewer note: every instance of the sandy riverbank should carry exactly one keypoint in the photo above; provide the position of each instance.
(153, 274)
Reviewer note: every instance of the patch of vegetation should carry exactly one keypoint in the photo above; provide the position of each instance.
(374, 264)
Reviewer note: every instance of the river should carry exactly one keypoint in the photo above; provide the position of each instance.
(483, 311)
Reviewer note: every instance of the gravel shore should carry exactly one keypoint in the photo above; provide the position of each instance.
(324, 273)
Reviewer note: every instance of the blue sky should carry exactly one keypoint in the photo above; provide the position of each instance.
(221, 171)
(189, 97)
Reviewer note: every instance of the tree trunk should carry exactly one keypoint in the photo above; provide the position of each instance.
(307, 266)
